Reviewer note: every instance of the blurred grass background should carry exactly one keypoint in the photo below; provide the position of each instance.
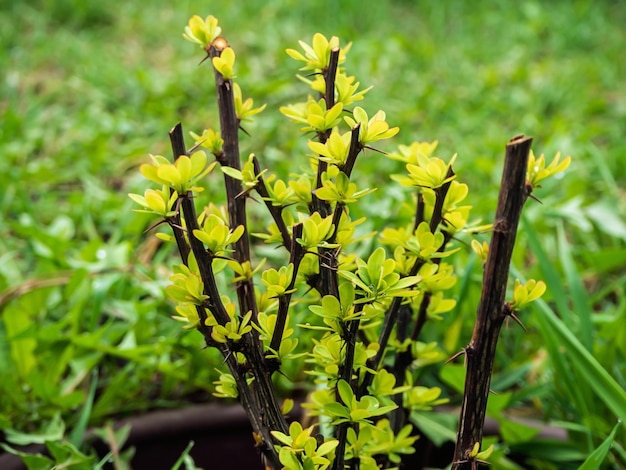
(88, 89)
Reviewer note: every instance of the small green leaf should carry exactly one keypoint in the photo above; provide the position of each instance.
(345, 392)
(52, 431)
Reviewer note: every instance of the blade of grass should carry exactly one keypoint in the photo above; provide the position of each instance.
(576, 289)
(186, 459)
(599, 455)
(598, 379)
(576, 393)
(550, 275)
(78, 432)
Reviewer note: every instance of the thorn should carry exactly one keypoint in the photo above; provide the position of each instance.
(375, 149)
(518, 321)
(462, 352)
(155, 225)
(245, 131)
(180, 227)
(245, 192)
(205, 58)
(192, 149)
(229, 353)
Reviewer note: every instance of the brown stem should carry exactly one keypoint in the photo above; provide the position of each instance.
(353, 152)
(419, 211)
(229, 124)
(440, 197)
(480, 351)
(248, 400)
(263, 396)
(350, 336)
(327, 257)
(275, 212)
(261, 403)
(203, 260)
(391, 316)
(297, 253)
(177, 141)
(330, 74)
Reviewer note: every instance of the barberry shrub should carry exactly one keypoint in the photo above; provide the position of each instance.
(345, 306)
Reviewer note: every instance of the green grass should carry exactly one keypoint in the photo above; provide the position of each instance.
(89, 89)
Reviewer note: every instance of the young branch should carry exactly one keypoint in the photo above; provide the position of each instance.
(353, 152)
(480, 351)
(330, 74)
(275, 212)
(177, 141)
(327, 258)
(229, 124)
(297, 253)
(350, 336)
(246, 398)
(391, 316)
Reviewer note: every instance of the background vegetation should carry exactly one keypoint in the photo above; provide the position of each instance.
(89, 89)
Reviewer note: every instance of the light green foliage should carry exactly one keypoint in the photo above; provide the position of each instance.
(300, 450)
(225, 387)
(217, 235)
(314, 114)
(341, 191)
(427, 172)
(187, 314)
(523, 294)
(347, 88)
(158, 202)
(202, 32)
(376, 279)
(340, 361)
(277, 282)
(423, 398)
(317, 55)
(454, 214)
(225, 63)
(538, 171)
(266, 326)
(80, 290)
(384, 386)
(328, 355)
(334, 150)
(180, 175)
(244, 108)
(371, 129)
(353, 410)
(385, 442)
(186, 287)
(232, 331)
(210, 140)
(426, 354)
(280, 194)
(243, 271)
(316, 230)
(481, 249)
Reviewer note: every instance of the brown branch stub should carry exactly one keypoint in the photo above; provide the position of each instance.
(489, 317)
